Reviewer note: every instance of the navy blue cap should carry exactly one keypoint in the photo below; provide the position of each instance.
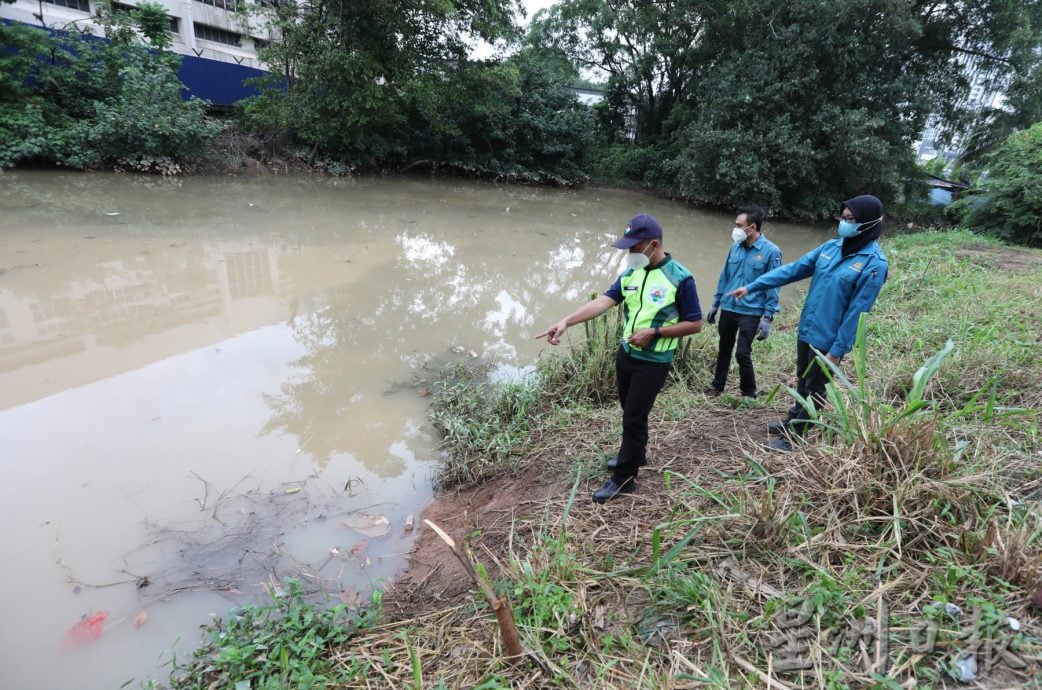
(642, 227)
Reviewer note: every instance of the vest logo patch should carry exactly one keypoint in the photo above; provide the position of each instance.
(630, 288)
(657, 294)
(759, 257)
(857, 265)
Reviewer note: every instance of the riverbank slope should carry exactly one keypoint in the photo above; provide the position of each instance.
(900, 548)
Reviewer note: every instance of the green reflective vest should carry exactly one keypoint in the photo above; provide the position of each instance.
(649, 299)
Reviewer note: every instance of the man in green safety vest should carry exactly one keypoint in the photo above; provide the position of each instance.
(660, 306)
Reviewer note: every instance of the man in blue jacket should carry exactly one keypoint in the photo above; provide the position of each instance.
(846, 276)
(750, 257)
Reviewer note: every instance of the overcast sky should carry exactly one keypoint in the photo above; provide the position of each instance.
(483, 50)
(533, 6)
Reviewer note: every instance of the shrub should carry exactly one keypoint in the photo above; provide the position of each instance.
(1008, 202)
(79, 101)
(144, 125)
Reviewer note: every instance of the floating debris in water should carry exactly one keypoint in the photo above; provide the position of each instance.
(85, 632)
(368, 524)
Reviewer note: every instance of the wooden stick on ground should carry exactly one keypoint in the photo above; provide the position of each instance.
(767, 680)
(507, 627)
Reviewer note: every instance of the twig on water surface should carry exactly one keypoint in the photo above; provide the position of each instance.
(206, 486)
(507, 627)
(59, 558)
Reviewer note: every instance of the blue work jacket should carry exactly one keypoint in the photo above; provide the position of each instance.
(743, 266)
(841, 289)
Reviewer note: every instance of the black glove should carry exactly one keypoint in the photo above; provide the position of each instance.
(764, 329)
(711, 317)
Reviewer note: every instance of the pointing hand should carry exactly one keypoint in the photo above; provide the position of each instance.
(555, 332)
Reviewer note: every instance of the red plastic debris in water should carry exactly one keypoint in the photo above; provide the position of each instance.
(86, 631)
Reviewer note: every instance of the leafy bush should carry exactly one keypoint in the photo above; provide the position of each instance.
(142, 125)
(79, 101)
(622, 162)
(1008, 202)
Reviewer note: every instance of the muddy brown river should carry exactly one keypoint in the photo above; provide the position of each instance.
(209, 384)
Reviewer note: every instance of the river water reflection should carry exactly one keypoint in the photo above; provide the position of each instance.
(200, 379)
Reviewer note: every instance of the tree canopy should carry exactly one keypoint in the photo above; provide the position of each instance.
(1008, 201)
(389, 83)
(797, 104)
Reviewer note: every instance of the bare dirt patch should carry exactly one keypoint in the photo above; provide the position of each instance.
(483, 516)
(1000, 257)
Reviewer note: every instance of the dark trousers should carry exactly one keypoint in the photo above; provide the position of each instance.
(639, 384)
(743, 328)
(811, 380)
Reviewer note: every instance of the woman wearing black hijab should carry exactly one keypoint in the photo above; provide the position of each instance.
(846, 275)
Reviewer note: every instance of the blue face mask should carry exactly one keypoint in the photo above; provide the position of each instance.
(849, 229)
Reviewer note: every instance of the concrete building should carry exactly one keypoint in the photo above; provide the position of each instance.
(220, 44)
(986, 93)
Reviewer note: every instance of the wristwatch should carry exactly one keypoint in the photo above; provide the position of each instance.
(658, 331)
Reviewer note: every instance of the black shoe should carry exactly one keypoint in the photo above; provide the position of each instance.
(611, 490)
(713, 391)
(779, 429)
(781, 445)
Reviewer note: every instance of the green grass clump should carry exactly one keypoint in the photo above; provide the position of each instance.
(480, 423)
(286, 644)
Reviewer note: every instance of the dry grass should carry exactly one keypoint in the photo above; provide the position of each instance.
(744, 537)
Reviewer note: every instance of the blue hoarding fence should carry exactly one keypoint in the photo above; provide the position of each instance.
(221, 83)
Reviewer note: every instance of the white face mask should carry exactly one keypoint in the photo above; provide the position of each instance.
(737, 234)
(637, 260)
